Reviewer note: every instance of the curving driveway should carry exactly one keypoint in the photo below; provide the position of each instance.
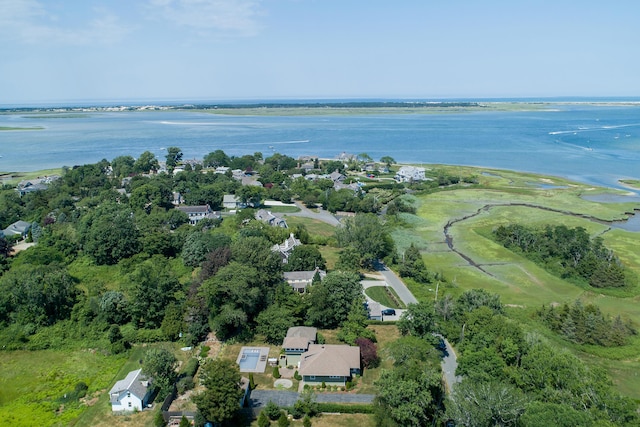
(320, 215)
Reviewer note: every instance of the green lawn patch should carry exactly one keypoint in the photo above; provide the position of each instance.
(283, 209)
(385, 295)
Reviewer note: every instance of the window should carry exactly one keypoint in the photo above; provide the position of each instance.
(334, 376)
(129, 404)
(312, 377)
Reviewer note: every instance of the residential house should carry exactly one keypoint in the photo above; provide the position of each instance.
(35, 184)
(336, 177)
(231, 201)
(222, 170)
(331, 364)
(285, 249)
(198, 213)
(130, 394)
(410, 174)
(297, 342)
(300, 280)
(176, 198)
(271, 219)
(18, 228)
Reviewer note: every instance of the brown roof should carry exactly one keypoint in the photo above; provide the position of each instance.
(327, 360)
(295, 342)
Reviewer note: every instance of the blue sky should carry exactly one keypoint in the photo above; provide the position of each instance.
(74, 50)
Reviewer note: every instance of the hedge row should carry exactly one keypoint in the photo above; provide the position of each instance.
(346, 408)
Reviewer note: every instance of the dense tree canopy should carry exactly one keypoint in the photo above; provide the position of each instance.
(368, 236)
(567, 252)
(218, 403)
(332, 299)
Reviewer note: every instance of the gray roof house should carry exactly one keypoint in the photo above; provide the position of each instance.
(18, 228)
(231, 201)
(297, 342)
(331, 364)
(130, 394)
(271, 219)
(285, 248)
(198, 213)
(300, 280)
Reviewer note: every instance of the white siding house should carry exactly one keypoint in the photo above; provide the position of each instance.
(409, 174)
(131, 393)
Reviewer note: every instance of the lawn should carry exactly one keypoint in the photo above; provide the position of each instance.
(504, 197)
(314, 226)
(385, 295)
(33, 384)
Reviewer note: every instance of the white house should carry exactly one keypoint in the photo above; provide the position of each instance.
(230, 201)
(410, 173)
(284, 249)
(198, 213)
(131, 393)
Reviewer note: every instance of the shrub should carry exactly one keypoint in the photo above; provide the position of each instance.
(297, 376)
(283, 421)
(276, 372)
(185, 384)
(263, 420)
(346, 408)
(191, 367)
(306, 422)
(272, 411)
(204, 352)
(324, 385)
(252, 384)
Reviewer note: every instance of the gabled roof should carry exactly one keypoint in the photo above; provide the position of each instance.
(328, 360)
(303, 275)
(17, 228)
(135, 383)
(203, 209)
(307, 332)
(300, 337)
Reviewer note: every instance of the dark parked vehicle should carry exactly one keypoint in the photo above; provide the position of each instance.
(388, 312)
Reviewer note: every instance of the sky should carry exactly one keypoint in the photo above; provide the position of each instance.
(122, 50)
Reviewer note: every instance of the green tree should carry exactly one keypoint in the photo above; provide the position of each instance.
(160, 364)
(540, 414)
(147, 162)
(272, 410)
(110, 235)
(153, 286)
(332, 299)
(418, 320)
(122, 166)
(305, 258)
(407, 401)
(216, 159)
(218, 403)
(114, 308)
(174, 155)
(486, 404)
(368, 236)
(274, 322)
(36, 294)
(263, 420)
(387, 160)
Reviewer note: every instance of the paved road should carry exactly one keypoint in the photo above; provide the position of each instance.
(320, 215)
(394, 281)
(449, 364)
(260, 398)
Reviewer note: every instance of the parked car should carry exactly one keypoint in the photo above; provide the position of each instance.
(388, 312)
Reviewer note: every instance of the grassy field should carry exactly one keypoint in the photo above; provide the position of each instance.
(12, 178)
(504, 197)
(33, 384)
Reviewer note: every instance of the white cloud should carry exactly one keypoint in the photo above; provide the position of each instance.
(210, 17)
(33, 22)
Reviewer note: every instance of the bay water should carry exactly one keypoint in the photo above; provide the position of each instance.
(592, 143)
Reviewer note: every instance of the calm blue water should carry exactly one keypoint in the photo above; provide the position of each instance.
(592, 144)
(249, 360)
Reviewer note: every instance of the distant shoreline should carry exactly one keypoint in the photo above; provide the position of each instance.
(318, 108)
